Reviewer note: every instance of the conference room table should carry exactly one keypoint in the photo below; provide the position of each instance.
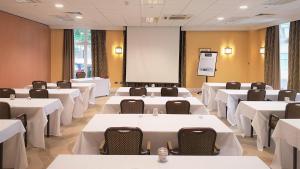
(151, 162)
(102, 87)
(113, 104)
(37, 111)
(258, 112)
(87, 91)
(229, 98)
(12, 146)
(286, 138)
(209, 91)
(156, 129)
(182, 92)
(70, 98)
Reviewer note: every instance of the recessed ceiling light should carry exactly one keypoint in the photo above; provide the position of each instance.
(220, 18)
(59, 5)
(243, 7)
(78, 17)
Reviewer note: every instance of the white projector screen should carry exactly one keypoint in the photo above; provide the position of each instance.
(152, 54)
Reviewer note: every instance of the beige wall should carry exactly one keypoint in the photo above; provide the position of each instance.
(57, 38)
(233, 67)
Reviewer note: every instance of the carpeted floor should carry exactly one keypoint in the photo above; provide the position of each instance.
(40, 159)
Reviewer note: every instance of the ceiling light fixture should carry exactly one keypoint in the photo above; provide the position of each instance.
(78, 17)
(243, 7)
(59, 5)
(220, 18)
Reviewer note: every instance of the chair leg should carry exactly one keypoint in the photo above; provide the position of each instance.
(226, 112)
(294, 158)
(1, 155)
(48, 126)
(269, 137)
(25, 138)
(251, 130)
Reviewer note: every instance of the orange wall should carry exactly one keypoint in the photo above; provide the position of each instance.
(25, 51)
(233, 67)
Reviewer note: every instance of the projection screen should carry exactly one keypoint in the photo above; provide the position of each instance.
(152, 54)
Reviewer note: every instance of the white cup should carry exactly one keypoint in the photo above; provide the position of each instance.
(287, 99)
(255, 88)
(162, 154)
(146, 86)
(152, 94)
(155, 111)
(153, 85)
(12, 96)
(43, 87)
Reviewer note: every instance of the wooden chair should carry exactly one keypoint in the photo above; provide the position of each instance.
(178, 107)
(6, 92)
(138, 91)
(169, 92)
(131, 106)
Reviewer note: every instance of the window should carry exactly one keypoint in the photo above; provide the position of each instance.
(82, 54)
(284, 48)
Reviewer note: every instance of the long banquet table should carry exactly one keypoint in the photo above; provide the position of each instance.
(229, 98)
(113, 104)
(12, 142)
(37, 111)
(286, 136)
(151, 162)
(182, 92)
(102, 85)
(258, 112)
(209, 91)
(70, 98)
(156, 129)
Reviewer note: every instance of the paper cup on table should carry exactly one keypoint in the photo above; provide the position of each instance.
(287, 99)
(155, 111)
(162, 154)
(12, 96)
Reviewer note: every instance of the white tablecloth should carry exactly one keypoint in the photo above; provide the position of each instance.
(37, 111)
(113, 104)
(14, 151)
(286, 136)
(151, 162)
(209, 91)
(230, 99)
(102, 85)
(259, 112)
(70, 98)
(124, 91)
(156, 129)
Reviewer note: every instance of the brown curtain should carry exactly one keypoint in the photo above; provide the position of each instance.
(272, 64)
(294, 56)
(182, 59)
(68, 57)
(99, 60)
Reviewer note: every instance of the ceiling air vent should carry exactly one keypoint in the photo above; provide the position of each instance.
(28, 1)
(177, 17)
(265, 14)
(277, 2)
(73, 13)
(64, 17)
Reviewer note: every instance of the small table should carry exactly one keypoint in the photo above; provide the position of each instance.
(286, 137)
(151, 162)
(113, 104)
(102, 85)
(12, 146)
(156, 129)
(182, 92)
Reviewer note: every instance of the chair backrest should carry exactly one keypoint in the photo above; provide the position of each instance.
(38, 93)
(6, 92)
(258, 85)
(131, 106)
(123, 141)
(292, 111)
(39, 84)
(5, 110)
(64, 84)
(256, 95)
(169, 91)
(80, 74)
(287, 93)
(233, 85)
(178, 107)
(137, 91)
(196, 141)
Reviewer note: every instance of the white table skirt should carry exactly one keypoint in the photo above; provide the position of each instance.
(70, 98)
(259, 112)
(113, 104)
(209, 91)
(37, 111)
(14, 151)
(151, 162)
(156, 129)
(102, 85)
(182, 92)
(230, 99)
(286, 136)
